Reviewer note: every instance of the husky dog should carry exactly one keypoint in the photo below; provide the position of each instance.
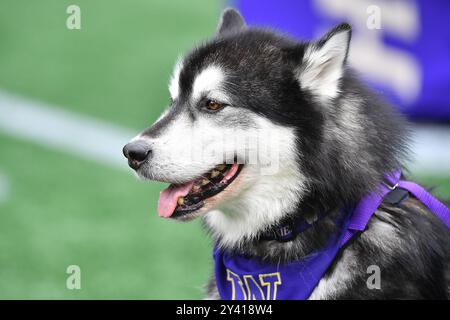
(334, 140)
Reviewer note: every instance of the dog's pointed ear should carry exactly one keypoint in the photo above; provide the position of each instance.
(231, 21)
(324, 62)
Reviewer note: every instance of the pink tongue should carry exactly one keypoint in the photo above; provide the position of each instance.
(168, 198)
(230, 174)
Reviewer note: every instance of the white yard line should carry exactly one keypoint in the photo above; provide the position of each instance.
(102, 142)
(63, 130)
(431, 149)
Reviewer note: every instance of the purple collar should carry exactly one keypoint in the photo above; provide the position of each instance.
(241, 278)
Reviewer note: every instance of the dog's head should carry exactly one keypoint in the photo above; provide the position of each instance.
(245, 110)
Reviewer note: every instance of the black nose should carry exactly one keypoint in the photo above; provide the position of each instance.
(136, 153)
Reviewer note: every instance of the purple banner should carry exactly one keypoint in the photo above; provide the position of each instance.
(401, 48)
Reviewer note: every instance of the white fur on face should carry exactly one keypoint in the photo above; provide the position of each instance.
(269, 185)
(261, 199)
(184, 150)
(210, 79)
(260, 196)
(323, 67)
(174, 87)
(208, 82)
(177, 155)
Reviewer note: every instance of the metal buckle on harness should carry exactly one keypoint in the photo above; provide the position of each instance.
(396, 195)
(389, 186)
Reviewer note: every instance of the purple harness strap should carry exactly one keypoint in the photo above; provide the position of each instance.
(243, 278)
(369, 204)
(435, 206)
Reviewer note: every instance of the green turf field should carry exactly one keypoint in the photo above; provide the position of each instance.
(61, 210)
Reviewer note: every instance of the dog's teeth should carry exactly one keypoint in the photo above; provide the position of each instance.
(180, 201)
(214, 173)
(205, 182)
(221, 167)
(196, 188)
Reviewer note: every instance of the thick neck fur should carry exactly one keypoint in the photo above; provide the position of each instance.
(357, 141)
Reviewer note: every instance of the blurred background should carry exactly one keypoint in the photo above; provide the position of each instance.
(70, 99)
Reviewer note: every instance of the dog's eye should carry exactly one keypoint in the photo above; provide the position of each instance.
(213, 105)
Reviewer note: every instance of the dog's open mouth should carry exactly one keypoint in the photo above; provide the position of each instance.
(179, 200)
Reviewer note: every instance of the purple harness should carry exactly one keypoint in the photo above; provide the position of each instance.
(241, 278)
